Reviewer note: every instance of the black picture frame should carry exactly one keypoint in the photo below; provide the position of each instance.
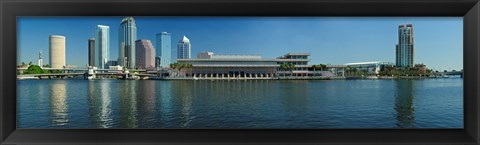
(468, 9)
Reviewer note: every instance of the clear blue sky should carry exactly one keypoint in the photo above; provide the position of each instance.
(330, 40)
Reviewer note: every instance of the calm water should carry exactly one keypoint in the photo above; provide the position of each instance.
(429, 103)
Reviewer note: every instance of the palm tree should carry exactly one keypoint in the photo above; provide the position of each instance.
(283, 67)
(323, 67)
(316, 67)
(174, 66)
(290, 67)
(189, 67)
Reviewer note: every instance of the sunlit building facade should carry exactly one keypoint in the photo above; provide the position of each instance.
(127, 35)
(102, 46)
(404, 48)
(210, 65)
(57, 46)
(370, 67)
(164, 50)
(145, 56)
(184, 48)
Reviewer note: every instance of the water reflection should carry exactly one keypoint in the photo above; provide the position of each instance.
(295, 95)
(128, 104)
(183, 90)
(164, 101)
(240, 104)
(147, 103)
(100, 105)
(404, 107)
(58, 104)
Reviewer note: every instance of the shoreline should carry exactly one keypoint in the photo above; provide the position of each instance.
(30, 77)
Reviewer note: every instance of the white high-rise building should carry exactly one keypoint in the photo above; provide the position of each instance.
(102, 46)
(184, 48)
(40, 60)
(57, 51)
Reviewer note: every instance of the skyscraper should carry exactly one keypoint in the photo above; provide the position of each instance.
(164, 49)
(145, 54)
(404, 48)
(40, 60)
(102, 46)
(57, 51)
(91, 52)
(127, 35)
(183, 48)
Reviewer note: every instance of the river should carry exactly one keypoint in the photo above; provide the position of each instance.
(403, 103)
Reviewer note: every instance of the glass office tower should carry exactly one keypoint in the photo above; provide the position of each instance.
(183, 48)
(164, 49)
(127, 35)
(102, 46)
(404, 48)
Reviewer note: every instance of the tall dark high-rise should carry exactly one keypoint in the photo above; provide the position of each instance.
(404, 49)
(91, 52)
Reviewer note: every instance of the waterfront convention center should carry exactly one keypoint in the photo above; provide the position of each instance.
(210, 65)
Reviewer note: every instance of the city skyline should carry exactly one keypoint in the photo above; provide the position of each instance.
(270, 37)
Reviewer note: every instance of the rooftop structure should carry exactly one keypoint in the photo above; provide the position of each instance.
(211, 55)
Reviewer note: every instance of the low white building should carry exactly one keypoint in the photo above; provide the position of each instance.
(116, 67)
(370, 67)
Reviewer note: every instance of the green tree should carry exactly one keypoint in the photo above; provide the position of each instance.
(288, 66)
(35, 69)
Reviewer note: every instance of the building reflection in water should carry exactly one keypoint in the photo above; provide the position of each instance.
(58, 104)
(164, 103)
(147, 103)
(100, 105)
(295, 96)
(404, 107)
(128, 104)
(184, 92)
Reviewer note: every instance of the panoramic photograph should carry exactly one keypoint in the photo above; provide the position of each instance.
(239, 72)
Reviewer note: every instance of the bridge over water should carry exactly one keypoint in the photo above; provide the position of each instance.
(81, 72)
